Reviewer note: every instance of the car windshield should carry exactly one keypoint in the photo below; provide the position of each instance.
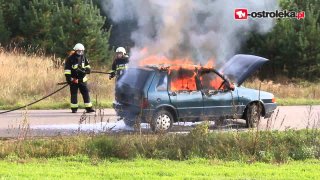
(135, 78)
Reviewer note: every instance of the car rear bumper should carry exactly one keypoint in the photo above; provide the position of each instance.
(269, 109)
(131, 111)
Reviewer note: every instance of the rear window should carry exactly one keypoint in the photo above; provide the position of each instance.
(135, 78)
(163, 82)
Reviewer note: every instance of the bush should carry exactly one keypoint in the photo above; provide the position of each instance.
(266, 146)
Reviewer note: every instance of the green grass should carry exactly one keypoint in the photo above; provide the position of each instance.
(85, 168)
(264, 146)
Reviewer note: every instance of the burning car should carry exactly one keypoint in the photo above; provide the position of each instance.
(163, 94)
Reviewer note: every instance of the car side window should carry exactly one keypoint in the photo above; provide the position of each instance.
(183, 80)
(163, 83)
(211, 81)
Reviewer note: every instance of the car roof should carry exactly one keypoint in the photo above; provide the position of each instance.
(166, 67)
(144, 68)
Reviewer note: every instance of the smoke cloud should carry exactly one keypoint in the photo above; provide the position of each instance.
(195, 29)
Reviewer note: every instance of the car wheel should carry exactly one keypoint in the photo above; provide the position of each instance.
(162, 121)
(253, 115)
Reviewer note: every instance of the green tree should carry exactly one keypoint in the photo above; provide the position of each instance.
(55, 27)
(4, 32)
(36, 23)
(293, 45)
(82, 23)
(308, 43)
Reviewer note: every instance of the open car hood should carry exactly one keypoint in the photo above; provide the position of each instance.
(241, 66)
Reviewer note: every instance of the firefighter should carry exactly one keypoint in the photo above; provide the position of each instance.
(120, 63)
(76, 68)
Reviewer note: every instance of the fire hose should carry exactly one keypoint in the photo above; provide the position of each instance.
(61, 88)
(100, 72)
(36, 100)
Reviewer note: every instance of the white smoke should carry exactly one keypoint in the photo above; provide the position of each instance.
(196, 29)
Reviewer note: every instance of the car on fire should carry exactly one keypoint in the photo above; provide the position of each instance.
(163, 94)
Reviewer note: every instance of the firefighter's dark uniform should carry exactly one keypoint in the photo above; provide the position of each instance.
(76, 67)
(119, 65)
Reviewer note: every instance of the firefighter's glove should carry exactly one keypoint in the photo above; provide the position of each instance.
(111, 75)
(75, 81)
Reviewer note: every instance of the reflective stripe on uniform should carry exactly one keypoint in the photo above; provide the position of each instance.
(88, 66)
(74, 105)
(67, 71)
(75, 66)
(85, 79)
(88, 104)
(122, 67)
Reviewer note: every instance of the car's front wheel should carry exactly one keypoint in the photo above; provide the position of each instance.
(253, 115)
(162, 121)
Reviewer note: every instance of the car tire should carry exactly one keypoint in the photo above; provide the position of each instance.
(162, 121)
(253, 115)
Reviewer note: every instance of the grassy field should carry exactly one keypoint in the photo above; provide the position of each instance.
(26, 78)
(198, 155)
(262, 146)
(288, 92)
(85, 168)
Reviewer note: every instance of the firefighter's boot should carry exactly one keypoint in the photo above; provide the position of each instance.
(74, 110)
(90, 110)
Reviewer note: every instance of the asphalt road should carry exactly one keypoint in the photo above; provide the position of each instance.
(63, 122)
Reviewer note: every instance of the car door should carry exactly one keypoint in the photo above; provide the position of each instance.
(218, 99)
(184, 93)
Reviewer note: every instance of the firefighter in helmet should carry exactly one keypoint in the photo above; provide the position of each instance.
(120, 63)
(76, 68)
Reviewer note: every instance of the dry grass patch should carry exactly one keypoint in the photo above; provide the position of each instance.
(287, 89)
(25, 78)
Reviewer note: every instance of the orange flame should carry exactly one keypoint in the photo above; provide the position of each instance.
(183, 79)
(182, 71)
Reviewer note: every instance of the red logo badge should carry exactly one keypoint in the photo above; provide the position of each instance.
(241, 14)
(300, 15)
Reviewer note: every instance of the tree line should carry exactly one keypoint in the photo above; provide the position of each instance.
(55, 26)
(293, 46)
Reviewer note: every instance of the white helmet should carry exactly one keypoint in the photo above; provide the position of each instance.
(121, 49)
(78, 47)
